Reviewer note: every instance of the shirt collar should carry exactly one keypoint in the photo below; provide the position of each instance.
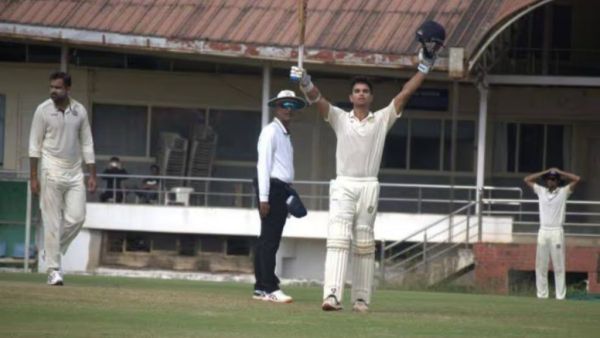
(67, 108)
(369, 116)
(280, 124)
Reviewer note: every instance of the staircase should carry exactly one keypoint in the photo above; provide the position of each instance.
(437, 253)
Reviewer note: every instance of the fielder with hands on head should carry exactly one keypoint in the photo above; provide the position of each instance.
(60, 137)
(354, 193)
(275, 169)
(551, 236)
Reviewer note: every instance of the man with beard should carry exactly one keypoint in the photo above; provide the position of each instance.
(60, 138)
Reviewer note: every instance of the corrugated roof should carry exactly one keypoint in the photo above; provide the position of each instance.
(370, 30)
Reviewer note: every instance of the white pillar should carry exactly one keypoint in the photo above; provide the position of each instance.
(64, 58)
(483, 106)
(266, 89)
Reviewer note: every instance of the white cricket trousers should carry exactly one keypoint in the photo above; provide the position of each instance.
(550, 244)
(62, 202)
(352, 209)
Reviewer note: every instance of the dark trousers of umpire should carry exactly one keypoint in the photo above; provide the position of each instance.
(267, 244)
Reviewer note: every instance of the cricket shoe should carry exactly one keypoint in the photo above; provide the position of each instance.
(259, 295)
(55, 278)
(279, 297)
(360, 306)
(331, 304)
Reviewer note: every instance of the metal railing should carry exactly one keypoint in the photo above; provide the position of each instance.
(459, 228)
(240, 193)
(582, 218)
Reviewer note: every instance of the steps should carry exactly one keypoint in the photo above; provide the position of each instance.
(451, 262)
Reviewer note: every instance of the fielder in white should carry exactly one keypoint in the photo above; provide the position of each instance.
(551, 236)
(60, 136)
(354, 193)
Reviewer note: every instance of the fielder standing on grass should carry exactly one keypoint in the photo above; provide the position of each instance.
(275, 169)
(354, 193)
(60, 137)
(551, 236)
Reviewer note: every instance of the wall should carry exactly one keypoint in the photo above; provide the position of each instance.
(244, 222)
(494, 261)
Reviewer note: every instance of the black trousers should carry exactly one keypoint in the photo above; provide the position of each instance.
(271, 228)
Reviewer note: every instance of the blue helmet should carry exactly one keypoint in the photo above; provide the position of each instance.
(431, 32)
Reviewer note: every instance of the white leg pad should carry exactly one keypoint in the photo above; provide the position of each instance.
(336, 262)
(363, 263)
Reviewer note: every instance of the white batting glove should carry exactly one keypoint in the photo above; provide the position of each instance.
(426, 62)
(301, 76)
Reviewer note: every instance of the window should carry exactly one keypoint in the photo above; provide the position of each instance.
(465, 145)
(13, 52)
(2, 119)
(95, 58)
(238, 246)
(174, 120)
(212, 244)
(396, 143)
(425, 144)
(43, 54)
(138, 242)
(119, 130)
(164, 242)
(122, 130)
(187, 245)
(238, 134)
(528, 147)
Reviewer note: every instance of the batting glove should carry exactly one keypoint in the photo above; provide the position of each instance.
(300, 75)
(426, 61)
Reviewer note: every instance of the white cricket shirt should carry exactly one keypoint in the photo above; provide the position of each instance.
(552, 205)
(275, 157)
(360, 143)
(61, 139)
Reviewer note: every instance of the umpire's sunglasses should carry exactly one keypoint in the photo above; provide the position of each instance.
(288, 105)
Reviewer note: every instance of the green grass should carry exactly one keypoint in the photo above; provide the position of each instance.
(94, 306)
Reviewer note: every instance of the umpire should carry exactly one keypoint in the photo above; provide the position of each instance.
(275, 170)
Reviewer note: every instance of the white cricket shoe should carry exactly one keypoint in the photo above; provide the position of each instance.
(279, 297)
(331, 304)
(259, 295)
(55, 278)
(360, 306)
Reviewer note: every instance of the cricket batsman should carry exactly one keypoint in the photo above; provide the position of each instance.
(354, 193)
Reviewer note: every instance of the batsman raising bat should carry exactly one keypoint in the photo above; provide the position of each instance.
(354, 193)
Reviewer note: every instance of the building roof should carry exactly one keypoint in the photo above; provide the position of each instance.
(352, 32)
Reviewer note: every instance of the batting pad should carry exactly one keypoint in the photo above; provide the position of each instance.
(336, 263)
(363, 263)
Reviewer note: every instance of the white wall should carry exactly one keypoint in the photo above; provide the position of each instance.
(245, 222)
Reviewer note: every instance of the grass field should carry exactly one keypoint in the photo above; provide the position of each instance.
(94, 306)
